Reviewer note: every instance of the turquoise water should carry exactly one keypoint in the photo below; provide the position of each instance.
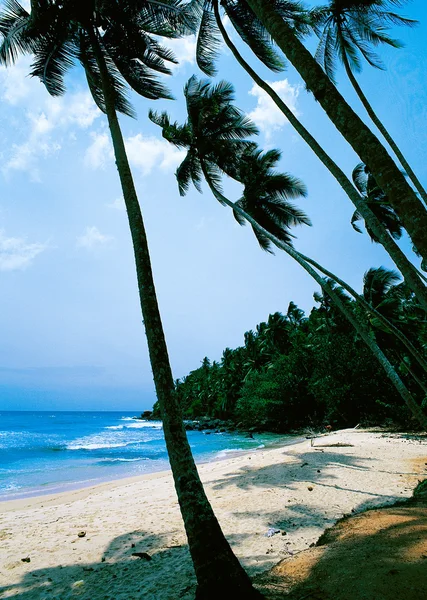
(48, 452)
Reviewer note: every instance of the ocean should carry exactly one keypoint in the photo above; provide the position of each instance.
(50, 452)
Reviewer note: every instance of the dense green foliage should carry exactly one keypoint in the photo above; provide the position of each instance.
(295, 371)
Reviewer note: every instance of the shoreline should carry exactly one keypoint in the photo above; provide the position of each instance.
(69, 487)
(299, 489)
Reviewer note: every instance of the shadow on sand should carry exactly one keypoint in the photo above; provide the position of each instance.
(378, 555)
(169, 574)
(118, 576)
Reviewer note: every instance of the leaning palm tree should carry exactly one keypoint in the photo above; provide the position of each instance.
(115, 45)
(348, 30)
(266, 16)
(210, 32)
(209, 135)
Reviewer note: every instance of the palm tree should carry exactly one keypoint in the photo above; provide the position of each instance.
(374, 315)
(266, 15)
(232, 375)
(116, 45)
(384, 292)
(213, 136)
(349, 28)
(266, 195)
(208, 43)
(375, 198)
(295, 315)
(276, 339)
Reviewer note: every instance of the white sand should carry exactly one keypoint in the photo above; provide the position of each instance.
(249, 493)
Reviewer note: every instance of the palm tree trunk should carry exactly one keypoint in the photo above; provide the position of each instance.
(370, 309)
(384, 131)
(217, 569)
(360, 327)
(421, 383)
(407, 269)
(401, 196)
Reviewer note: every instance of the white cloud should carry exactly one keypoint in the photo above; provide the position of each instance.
(24, 157)
(266, 115)
(99, 152)
(148, 153)
(46, 118)
(183, 48)
(57, 115)
(93, 238)
(15, 83)
(17, 253)
(117, 204)
(144, 153)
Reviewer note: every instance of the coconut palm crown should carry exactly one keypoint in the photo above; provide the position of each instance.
(350, 28)
(377, 201)
(59, 34)
(215, 136)
(248, 27)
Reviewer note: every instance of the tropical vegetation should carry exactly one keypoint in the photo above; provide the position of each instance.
(116, 45)
(294, 370)
(210, 33)
(214, 137)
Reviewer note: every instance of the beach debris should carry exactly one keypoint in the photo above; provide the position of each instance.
(81, 534)
(78, 584)
(27, 559)
(143, 555)
(133, 545)
(310, 488)
(272, 531)
(304, 464)
(283, 532)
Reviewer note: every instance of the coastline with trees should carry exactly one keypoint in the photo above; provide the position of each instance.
(359, 355)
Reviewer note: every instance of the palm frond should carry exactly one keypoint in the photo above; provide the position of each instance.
(53, 58)
(377, 283)
(354, 219)
(360, 178)
(253, 33)
(14, 24)
(168, 18)
(93, 76)
(209, 41)
(178, 135)
(189, 171)
(241, 220)
(349, 29)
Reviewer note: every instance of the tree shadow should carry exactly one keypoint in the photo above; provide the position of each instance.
(117, 576)
(304, 467)
(378, 555)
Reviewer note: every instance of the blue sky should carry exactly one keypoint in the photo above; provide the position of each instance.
(71, 331)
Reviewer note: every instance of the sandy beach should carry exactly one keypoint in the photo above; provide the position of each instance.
(299, 489)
